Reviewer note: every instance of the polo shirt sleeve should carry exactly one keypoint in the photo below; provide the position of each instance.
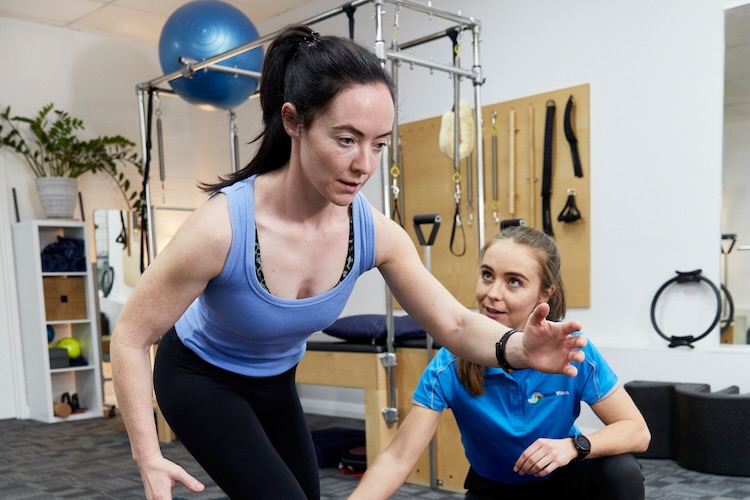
(599, 379)
(433, 388)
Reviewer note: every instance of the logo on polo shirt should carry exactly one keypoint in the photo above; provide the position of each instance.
(537, 397)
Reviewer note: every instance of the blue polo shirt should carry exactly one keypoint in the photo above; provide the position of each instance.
(515, 410)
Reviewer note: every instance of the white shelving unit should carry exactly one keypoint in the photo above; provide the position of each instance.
(44, 385)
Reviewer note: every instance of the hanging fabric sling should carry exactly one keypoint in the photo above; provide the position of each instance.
(549, 127)
(571, 137)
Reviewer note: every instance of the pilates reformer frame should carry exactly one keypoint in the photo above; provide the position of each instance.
(383, 375)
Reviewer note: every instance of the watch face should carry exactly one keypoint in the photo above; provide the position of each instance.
(582, 443)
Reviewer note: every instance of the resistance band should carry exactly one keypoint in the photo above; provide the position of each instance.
(549, 127)
(571, 137)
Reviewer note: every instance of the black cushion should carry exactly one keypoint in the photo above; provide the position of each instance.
(371, 329)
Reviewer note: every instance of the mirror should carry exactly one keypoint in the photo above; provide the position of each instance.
(117, 242)
(735, 242)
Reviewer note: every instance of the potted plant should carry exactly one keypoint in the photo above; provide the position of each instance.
(50, 145)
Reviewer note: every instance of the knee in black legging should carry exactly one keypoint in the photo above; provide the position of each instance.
(620, 477)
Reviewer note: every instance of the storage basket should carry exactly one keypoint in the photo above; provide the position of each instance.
(64, 297)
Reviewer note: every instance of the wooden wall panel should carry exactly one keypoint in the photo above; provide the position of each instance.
(429, 187)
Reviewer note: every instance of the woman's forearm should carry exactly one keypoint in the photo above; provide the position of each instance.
(382, 479)
(131, 377)
(620, 437)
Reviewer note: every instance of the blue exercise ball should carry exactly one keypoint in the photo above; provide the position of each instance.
(202, 29)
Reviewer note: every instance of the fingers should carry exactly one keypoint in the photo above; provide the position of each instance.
(540, 313)
(190, 482)
(539, 459)
(570, 370)
(569, 327)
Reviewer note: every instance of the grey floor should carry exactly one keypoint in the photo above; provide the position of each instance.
(91, 460)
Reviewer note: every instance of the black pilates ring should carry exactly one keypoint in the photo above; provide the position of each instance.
(686, 277)
(726, 321)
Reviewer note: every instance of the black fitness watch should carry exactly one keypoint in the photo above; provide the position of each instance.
(583, 446)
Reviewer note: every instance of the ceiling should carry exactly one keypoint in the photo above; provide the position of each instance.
(134, 19)
(143, 20)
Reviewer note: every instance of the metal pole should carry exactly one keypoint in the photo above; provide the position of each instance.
(429, 64)
(428, 9)
(189, 69)
(390, 414)
(478, 82)
(430, 38)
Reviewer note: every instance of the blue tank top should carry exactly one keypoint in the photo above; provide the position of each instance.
(237, 325)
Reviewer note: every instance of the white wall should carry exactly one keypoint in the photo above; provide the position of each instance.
(94, 78)
(655, 71)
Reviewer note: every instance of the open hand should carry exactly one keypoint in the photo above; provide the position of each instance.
(548, 346)
(159, 475)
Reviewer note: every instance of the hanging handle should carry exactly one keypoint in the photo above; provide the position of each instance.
(419, 220)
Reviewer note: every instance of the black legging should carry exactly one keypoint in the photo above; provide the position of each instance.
(617, 477)
(249, 434)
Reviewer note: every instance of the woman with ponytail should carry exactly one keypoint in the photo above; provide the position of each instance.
(271, 258)
(518, 427)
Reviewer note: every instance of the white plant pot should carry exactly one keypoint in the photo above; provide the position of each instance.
(58, 196)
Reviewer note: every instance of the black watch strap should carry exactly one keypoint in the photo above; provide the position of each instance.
(500, 350)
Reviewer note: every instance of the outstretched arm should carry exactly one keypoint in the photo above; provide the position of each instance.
(545, 346)
(391, 468)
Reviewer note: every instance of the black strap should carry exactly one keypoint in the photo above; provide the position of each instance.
(571, 137)
(457, 223)
(549, 127)
(349, 10)
(396, 215)
(145, 209)
(570, 211)
(122, 238)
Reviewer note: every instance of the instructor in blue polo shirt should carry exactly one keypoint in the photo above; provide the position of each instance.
(518, 426)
